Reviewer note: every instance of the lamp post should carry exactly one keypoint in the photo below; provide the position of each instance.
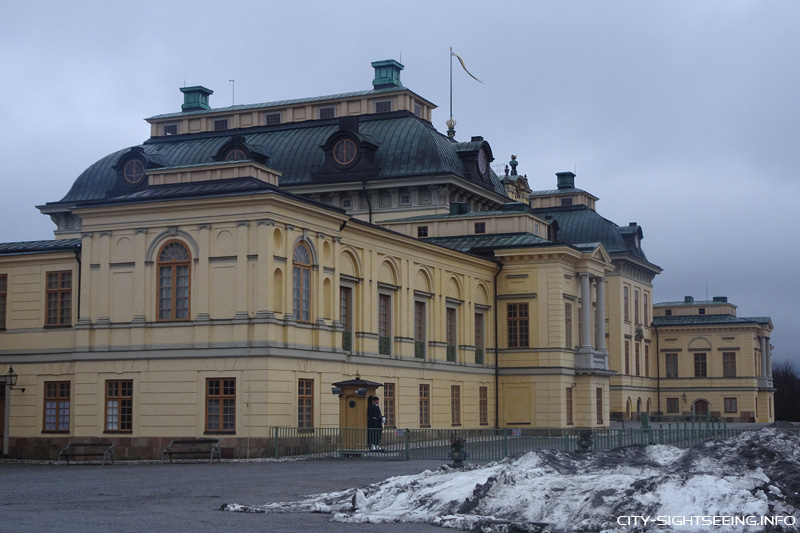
(10, 380)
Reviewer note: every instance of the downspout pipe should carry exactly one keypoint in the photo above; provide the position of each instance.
(496, 353)
(80, 276)
(658, 370)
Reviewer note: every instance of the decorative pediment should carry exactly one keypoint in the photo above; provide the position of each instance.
(349, 155)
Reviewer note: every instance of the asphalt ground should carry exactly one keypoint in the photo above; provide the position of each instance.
(184, 497)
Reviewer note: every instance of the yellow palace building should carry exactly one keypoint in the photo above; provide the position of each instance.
(220, 277)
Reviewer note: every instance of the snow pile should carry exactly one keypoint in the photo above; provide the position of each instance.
(753, 476)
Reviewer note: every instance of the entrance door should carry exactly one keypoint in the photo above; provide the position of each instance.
(701, 407)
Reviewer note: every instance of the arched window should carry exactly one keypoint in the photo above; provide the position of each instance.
(235, 154)
(173, 282)
(301, 283)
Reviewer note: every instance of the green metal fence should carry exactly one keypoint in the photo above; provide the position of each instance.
(485, 444)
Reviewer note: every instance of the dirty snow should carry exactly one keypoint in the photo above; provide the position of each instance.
(755, 477)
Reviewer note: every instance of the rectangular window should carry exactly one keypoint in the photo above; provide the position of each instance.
(700, 365)
(479, 334)
(405, 199)
(389, 404)
(56, 406)
(59, 298)
(119, 405)
(221, 124)
(635, 306)
(305, 403)
(638, 359)
(569, 406)
(483, 406)
(627, 357)
(702, 311)
(647, 360)
(327, 112)
(729, 365)
(517, 325)
(422, 231)
(417, 110)
(671, 361)
(272, 118)
(220, 405)
(419, 330)
(425, 406)
(730, 405)
(170, 129)
(646, 309)
(384, 324)
(347, 203)
(3, 299)
(345, 317)
(673, 406)
(566, 201)
(451, 333)
(383, 107)
(668, 312)
(599, 404)
(568, 325)
(480, 227)
(455, 405)
(626, 312)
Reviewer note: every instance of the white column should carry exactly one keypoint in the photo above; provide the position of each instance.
(600, 316)
(586, 311)
(764, 349)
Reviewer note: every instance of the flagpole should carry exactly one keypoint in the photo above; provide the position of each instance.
(451, 82)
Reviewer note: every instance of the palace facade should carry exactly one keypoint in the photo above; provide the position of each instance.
(218, 278)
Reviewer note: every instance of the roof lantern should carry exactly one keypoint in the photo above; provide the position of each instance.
(195, 98)
(566, 180)
(387, 74)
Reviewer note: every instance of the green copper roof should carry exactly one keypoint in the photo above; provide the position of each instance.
(31, 247)
(708, 320)
(580, 224)
(407, 147)
(471, 243)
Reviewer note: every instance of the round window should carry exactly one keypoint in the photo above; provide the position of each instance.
(133, 171)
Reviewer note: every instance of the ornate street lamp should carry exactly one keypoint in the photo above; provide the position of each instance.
(10, 380)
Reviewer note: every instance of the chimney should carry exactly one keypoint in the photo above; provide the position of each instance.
(566, 180)
(387, 74)
(195, 98)
(688, 299)
(721, 299)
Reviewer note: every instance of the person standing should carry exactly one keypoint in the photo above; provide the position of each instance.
(374, 424)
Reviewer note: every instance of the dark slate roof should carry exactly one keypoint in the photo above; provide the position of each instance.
(192, 189)
(708, 320)
(407, 147)
(279, 103)
(471, 243)
(580, 224)
(38, 247)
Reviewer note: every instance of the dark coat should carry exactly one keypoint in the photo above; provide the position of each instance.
(374, 416)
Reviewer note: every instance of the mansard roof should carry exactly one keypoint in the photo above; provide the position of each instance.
(471, 243)
(407, 147)
(579, 223)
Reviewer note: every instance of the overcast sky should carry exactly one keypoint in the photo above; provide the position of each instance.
(681, 116)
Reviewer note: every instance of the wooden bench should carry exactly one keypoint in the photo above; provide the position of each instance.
(193, 447)
(87, 449)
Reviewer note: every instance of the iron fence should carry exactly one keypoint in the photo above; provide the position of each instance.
(484, 444)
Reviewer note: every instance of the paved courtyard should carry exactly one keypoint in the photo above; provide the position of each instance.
(151, 497)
